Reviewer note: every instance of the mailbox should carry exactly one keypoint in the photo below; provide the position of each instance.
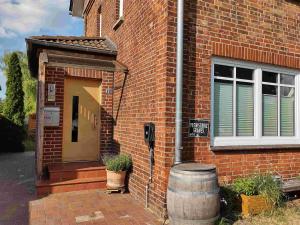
(51, 116)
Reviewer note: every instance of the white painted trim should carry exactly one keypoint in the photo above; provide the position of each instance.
(257, 139)
(121, 8)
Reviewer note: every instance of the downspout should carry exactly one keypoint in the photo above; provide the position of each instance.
(179, 78)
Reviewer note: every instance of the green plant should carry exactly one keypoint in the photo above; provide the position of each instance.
(269, 188)
(117, 163)
(246, 186)
(261, 184)
(14, 102)
(29, 83)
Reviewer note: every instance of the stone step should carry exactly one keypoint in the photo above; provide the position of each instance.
(45, 187)
(71, 171)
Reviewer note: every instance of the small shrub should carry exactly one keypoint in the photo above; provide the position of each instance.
(262, 184)
(246, 186)
(117, 163)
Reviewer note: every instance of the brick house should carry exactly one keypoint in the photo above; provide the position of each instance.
(241, 74)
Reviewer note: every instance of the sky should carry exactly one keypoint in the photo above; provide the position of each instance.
(24, 18)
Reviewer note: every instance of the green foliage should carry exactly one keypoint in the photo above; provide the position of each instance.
(1, 106)
(269, 188)
(14, 102)
(262, 184)
(246, 186)
(117, 163)
(29, 83)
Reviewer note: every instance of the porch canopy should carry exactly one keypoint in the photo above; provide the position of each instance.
(92, 52)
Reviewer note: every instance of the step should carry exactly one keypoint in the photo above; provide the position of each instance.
(45, 187)
(291, 185)
(70, 171)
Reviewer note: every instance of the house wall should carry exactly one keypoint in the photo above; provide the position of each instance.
(141, 95)
(257, 31)
(53, 136)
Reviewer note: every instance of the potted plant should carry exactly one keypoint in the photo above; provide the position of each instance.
(258, 193)
(116, 168)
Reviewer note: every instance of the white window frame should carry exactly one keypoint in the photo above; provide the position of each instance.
(121, 8)
(257, 139)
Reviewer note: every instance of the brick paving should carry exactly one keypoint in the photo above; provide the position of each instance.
(16, 187)
(89, 207)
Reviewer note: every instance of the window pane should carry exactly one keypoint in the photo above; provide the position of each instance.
(245, 109)
(287, 79)
(287, 104)
(223, 71)
(269, 77)
(75, 118)
(270, 113)
(223, 108)
(242, 73)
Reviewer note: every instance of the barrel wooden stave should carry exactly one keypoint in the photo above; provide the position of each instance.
(193, 197)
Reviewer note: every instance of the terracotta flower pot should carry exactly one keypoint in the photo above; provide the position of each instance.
(252, 205)
(115, 179)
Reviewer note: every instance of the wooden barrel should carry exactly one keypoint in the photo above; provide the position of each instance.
(193, 194)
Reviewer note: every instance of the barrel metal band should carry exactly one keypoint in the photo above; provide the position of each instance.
(216, 191)
(191, 180)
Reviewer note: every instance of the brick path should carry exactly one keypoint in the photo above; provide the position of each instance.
(89, 207)
(16, 187)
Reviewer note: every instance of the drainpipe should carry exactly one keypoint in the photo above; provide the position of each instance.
(179, 76)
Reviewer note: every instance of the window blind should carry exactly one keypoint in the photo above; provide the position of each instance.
(270, 122)
(245, 110)
(287, 116)
(223, 109)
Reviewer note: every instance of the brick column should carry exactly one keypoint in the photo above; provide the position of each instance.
(106, 114)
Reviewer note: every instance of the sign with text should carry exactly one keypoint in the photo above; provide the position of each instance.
(51, 92)
(198, 128)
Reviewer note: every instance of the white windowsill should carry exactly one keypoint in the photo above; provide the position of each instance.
(248, 141)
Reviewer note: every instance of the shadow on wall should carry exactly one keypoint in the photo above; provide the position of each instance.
(11, 136)
(189, 78)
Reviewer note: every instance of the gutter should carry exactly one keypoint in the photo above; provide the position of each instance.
(179, 78)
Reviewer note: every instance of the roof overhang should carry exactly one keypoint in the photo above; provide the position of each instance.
(76, 8)
(34, 47)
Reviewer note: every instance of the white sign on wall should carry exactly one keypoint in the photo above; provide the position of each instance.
(51, 92)
(51, 116)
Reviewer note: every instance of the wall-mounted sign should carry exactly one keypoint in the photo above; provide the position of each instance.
(51, 116)
(51, 92)
(198, 128)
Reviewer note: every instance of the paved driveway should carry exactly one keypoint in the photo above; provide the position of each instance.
(16, 187)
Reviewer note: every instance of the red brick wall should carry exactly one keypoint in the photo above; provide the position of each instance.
(141, 42)
(261, 31)
(53, 136)
(258, 31)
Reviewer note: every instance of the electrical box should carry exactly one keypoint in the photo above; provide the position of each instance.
(149, 132)
(51, 116)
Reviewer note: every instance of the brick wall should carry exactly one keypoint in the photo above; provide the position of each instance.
(53, 136)
(139, 96)
(261, 31)
(257, 31)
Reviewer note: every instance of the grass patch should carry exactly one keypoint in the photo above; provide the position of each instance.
(287, 214)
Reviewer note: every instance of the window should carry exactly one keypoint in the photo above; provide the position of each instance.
(253, 104)
(75, 103)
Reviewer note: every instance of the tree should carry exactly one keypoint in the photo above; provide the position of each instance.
(29, 83)
(14, 102)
